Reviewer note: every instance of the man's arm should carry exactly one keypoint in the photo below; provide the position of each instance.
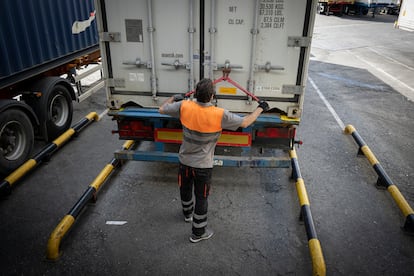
(175, 98)
(249, 119)
(170, 100)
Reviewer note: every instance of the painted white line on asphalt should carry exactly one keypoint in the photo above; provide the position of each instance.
(390, 58)
(116, 222)
(103, 113)
(409, 94)
(328, 105)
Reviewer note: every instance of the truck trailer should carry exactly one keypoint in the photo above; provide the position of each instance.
(332, 6)
(252, 50)
(42, 44)
(339, 7)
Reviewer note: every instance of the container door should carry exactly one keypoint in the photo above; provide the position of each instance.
(257, 40)
(157, 48)
(149, 53)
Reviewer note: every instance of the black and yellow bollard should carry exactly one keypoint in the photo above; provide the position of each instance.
(318, 261)
(384, 180)
(9, 181)
(66, 223)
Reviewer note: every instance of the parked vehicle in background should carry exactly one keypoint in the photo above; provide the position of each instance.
(40, 41)
(334, 7)
(393, 8)
(360, 7)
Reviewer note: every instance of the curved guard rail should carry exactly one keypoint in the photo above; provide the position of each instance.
(66, 223)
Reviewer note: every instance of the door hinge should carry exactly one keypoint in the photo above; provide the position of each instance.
(115, 83)
(110, 37)
(299, 41)
(292, 89)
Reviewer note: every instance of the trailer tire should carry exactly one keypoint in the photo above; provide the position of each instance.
(55, 110)
(16, 139)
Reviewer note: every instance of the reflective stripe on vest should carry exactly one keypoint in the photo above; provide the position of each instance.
(204, 119)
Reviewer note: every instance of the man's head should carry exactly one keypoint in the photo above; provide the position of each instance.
(204, 90)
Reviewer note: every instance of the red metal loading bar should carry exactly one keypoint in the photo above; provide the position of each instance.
(226, 77)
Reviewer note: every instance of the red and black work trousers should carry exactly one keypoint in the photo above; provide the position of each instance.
(200, 179)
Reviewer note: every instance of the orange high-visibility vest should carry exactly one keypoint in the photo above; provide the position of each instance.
(204, 119)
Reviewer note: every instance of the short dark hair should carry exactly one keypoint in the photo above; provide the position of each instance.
(204, 90)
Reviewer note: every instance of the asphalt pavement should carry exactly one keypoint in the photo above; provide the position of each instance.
(360, 73)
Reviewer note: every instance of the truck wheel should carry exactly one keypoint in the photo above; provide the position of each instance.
(55, 111)
(16, 139)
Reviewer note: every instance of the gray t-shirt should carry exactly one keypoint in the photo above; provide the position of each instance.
(197, 149)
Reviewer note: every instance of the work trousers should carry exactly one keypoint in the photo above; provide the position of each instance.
(199, 180)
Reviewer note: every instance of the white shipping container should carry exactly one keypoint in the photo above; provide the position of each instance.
(406, 16)
(156, 48)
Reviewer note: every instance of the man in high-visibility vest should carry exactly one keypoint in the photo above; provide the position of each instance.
(202, 124)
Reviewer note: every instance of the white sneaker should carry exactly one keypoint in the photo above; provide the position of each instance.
(207, 234)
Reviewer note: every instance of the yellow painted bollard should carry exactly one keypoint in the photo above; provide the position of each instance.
(384, 180)
(315, 249)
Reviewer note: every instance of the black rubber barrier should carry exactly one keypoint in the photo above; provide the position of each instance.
(318, 262)
(7, 183)
(384, 180)
(66, 223)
